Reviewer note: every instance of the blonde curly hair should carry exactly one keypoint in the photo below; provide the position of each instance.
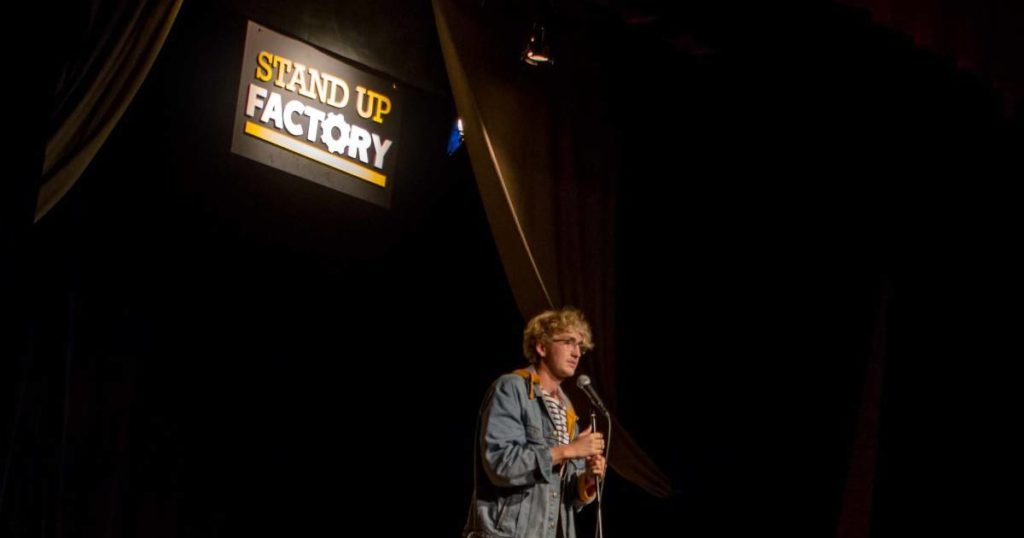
(544, 326)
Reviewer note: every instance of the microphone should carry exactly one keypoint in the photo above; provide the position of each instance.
(583, 382)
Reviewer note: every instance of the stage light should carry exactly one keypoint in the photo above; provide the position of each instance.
(456, 137)
(537, 51)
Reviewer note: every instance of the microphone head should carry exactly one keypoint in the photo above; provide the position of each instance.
(583, 381)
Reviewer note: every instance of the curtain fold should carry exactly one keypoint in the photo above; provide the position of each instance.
(982, 37)
(122, 40)
(501, 156)
(98, 54)
(858, 493)
(546, 167)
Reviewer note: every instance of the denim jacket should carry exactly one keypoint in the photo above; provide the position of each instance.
(517, 493)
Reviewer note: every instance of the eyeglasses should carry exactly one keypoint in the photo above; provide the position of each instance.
(572, 342)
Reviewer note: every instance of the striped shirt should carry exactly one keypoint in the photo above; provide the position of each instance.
(557, 412)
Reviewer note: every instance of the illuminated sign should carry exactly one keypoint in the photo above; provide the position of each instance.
(308, 114)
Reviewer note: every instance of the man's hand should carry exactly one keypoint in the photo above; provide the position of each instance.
(588, 443)
(596, 466)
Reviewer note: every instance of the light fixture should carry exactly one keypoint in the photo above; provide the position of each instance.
(456, 137)
(537, 51)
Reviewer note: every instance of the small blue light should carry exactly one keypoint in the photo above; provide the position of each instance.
(456, 137)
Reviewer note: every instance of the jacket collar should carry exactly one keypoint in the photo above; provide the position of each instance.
(533, 378)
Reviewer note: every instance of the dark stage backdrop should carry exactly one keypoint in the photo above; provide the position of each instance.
(807, 168)
(221, 349)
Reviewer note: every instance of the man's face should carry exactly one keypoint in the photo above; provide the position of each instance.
(562, 355)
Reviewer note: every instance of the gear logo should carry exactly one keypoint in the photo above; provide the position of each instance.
(339, 144)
